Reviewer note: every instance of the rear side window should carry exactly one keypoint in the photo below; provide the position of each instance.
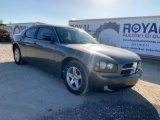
(44, 31)
(30, 33)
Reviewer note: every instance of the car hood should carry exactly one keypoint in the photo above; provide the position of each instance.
(118, 54)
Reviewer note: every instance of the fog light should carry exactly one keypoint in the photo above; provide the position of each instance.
(110, 66)
(102, 65)
(107, 89)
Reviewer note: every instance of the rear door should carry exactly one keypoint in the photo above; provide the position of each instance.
(28, 42)
(44, 48)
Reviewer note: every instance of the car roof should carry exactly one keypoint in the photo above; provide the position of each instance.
(45, 25)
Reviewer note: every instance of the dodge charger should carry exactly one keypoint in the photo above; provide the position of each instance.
(77, 58)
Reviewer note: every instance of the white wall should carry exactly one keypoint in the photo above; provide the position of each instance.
(140, 35)
(18, 27)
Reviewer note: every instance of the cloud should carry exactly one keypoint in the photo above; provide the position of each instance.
(73, 18)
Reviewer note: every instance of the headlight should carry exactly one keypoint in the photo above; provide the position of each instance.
(110, 66)
(105, 67)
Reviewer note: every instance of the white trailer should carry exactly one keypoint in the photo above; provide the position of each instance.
(138, 34)
(15, 28)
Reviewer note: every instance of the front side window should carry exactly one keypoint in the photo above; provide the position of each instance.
(74, 36)
(30, 33)
(44, 32)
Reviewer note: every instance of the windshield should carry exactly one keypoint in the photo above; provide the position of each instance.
(74, 36)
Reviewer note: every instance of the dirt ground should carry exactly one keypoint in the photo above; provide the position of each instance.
(29, 93)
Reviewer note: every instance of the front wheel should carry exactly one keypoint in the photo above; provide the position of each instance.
(17, 55)
(76, 78)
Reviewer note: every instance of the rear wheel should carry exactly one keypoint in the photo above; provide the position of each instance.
(76, 78)
(17, 56)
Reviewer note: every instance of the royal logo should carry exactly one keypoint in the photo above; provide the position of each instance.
(144, 28)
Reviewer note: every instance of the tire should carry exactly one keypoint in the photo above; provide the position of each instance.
(17, 56)
(0, 39)
(76, 78)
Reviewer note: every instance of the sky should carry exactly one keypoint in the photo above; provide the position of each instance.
(59, 12)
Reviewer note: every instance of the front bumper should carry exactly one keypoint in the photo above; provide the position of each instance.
(100, 81)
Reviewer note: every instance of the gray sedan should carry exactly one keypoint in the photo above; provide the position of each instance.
(75, 56)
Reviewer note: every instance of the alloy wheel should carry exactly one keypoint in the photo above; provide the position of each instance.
(74, 78)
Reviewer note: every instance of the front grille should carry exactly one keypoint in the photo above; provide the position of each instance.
(128, 69)
(126, 72)
(128, 65)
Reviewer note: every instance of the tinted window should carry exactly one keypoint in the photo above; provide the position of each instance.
(31, 32)
(44, 31)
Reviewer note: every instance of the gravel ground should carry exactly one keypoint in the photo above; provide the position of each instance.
(29, 93)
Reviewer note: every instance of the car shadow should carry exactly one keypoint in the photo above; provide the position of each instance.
(34, 88)
(125, 104)
(151, 70)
